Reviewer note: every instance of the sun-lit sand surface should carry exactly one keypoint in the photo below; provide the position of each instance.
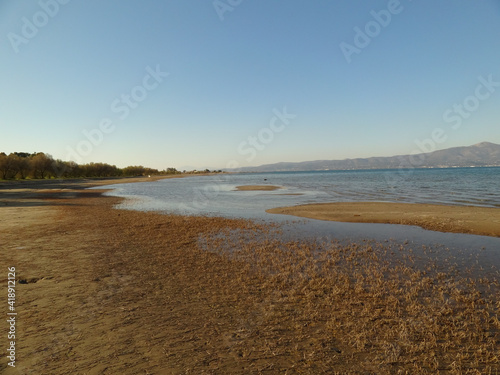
(257, 187)
(101, 290)
(456, 219)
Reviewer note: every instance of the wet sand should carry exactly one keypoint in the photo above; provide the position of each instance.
(455, 219)
(106, 291)
(257, 188)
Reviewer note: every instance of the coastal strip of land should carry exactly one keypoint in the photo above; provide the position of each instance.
(443, 218)
(107, 291)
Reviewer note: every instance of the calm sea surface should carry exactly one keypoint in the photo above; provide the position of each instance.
(216, 196)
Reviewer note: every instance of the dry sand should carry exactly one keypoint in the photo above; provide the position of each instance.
(104, 291)
(456, 219)
(257, 187)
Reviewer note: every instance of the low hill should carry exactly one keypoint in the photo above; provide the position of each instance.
(479, 155)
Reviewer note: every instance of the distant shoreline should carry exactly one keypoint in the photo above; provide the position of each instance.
(359, 170)
(484, 154)
(77, 183)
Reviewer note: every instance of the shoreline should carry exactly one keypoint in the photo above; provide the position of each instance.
(23, 193)
(442, 218)
(102, 290)
(94, 283)
(79, 182)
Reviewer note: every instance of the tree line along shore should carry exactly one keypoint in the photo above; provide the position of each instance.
(39, 165)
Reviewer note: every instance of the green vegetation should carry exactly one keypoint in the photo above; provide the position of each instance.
(22, 165)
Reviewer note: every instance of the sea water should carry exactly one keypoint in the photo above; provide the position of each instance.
(216, 195)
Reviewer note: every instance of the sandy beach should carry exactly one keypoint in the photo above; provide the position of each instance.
(106, 291)
(455, 219)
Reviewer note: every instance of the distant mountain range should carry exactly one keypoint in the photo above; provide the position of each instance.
(479, 155)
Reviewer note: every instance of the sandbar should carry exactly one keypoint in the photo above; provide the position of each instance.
(442, 218)
(257, 188)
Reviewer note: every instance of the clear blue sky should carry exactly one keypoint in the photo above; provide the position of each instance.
(231, 67)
